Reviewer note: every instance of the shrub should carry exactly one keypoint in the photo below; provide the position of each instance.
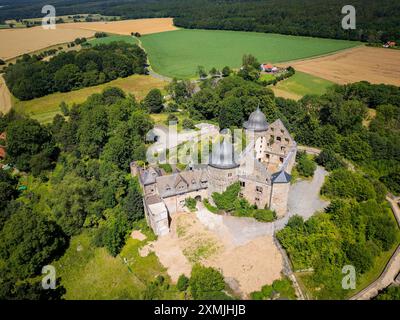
(330, 160)
(305, 166)
(183, 283)
(190, 203)
(257, 295)
(206, 283)
(226, 200)
(264, 215)
(188, 124)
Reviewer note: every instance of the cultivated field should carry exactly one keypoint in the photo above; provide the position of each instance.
(45, 108)
(125, 27)
(299, 85)
(178, 53)
(376, 65)
(16, 42)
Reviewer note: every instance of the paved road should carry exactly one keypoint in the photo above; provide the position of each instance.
(391, 270)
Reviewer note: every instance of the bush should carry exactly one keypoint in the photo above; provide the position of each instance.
(305, 166)
(226, 200)
(188, 124)
(330, 160)
(206, 283)
(257, 295)
(183, 283)
(190, 203)
(264, 215)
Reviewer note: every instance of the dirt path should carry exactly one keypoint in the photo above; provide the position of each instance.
(5, 97)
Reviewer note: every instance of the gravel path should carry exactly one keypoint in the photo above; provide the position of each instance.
(304, 197)
(303, 200)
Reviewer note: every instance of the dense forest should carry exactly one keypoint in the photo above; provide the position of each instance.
(376, 20)
(31, 77)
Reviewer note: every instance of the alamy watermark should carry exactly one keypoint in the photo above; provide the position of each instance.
(349, 20)
(49, 280)
(49, 20)
(349, 280)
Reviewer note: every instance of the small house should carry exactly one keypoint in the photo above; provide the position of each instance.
(389, 44)
(266, 67)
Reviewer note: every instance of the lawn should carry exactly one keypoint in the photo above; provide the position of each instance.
(90, 273)
(45, 108)
(178, 53)
(112, 38)
(301, 84)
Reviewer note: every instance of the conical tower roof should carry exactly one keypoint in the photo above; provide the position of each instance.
(223, 156)
(257, 121)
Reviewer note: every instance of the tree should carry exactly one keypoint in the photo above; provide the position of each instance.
(226, 71)
(68, 78)
(183, 283)
(305, 166)
(188, 124)
(201, 71)
(153, 102)
(330, 160)
(230, 113)
(206, 283)
(92, 131)
(28, 241)
(27, 138)
(132, 204)
(115, 235)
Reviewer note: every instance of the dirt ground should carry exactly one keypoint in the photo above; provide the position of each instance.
(16, 42)
(125, 27)
(248, 266)
(376, 65)
(5, 97)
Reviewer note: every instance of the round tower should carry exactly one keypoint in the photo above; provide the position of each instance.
(256, 131)
(222, 168)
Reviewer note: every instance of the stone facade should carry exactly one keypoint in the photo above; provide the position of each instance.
(262, 169)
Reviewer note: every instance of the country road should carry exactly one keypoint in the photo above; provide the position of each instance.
(5, 97)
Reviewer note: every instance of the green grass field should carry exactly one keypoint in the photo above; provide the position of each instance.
(45, 108)
(178, 53)
(301, 84)
(90, 273)
(112, 38)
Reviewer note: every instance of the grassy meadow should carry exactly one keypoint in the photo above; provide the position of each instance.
(178, 53)
(112, 38)
(301, 84)
(45, 108)
(90, 273)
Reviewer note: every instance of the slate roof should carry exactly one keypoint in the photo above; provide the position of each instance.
(281, 177)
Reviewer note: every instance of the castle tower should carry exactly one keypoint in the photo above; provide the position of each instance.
(256, 128)
(280, 193)
(222, 169)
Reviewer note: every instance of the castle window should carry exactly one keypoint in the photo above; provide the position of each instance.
(257, 199)
(241, 194)
(229, 174)
(278, 138)
(283, 131)
(286, 140)
(242, 184)
(281, 160)
(283, 148)
(259, 189)
(193, 181)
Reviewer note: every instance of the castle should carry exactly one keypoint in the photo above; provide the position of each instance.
(263, 170)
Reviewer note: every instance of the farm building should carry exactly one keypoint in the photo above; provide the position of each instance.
(389, 44)
(267, 67)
